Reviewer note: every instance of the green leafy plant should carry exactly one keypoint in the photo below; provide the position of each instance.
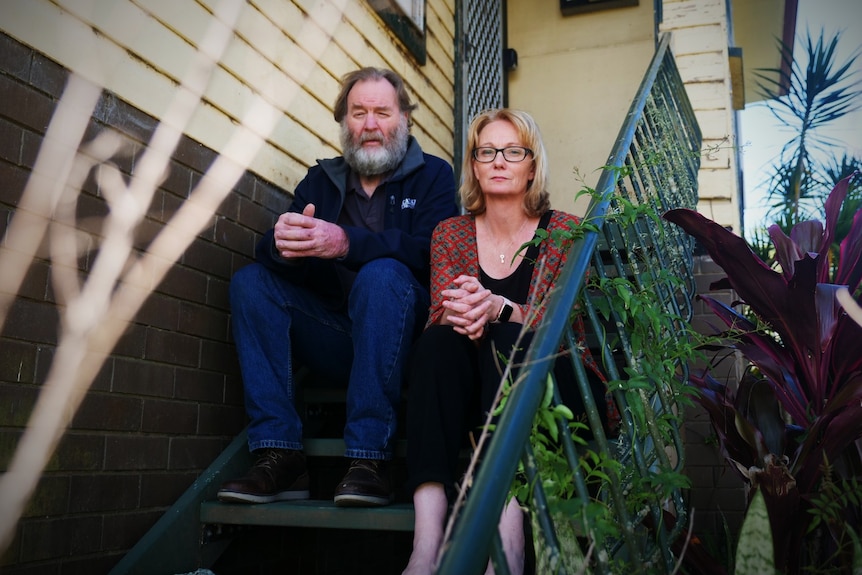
(663, 342)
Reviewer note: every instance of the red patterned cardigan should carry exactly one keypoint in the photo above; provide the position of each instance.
(453, 253)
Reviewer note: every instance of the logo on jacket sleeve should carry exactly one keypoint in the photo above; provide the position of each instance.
(408, 204)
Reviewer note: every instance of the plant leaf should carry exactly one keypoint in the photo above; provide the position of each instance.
(754, 553)
(850, 256)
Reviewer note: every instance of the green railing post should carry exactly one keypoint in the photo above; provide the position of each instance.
(660, 122)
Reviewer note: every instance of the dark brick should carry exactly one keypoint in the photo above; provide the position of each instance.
(229, 206)
(178, 184)
(173, 348)
(272, 198)
(61, 537)
(17, 363)
(255, 216)
(32, 321)
(128, 154)
(184, 283)
(218, 294)
(127, 452)
(133, 342)
(103, 492)
(48, 76)
(208, 230)
(5, 218)
(143, 378)
(707, 457)
(13, 180)
(35, 284)
(234, 236)
(29, 107)
(160, 311)
(90, 213)
(15, 58)
(194, 155)
(198, 385)
(92, 130)
(170, 417)
(726, 478)
(51, 497)
(124, 530)
(12, 555)
(208, 257)
(163, 489)
(11, 138)
(17, 404)
(203, 321)
(221, 419)
(194, 452)
(171, 203)
(147, 231)
(78, 452)
(44, 359)
(699, 475)
(219, 357)
(156, 209)
(109, 412)
(102, 380)
(124, 118)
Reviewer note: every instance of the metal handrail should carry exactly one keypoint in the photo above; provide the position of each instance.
(660, 115)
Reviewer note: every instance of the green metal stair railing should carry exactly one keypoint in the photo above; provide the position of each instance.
(654, 164)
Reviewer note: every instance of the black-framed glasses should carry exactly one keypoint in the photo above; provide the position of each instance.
(487, 154)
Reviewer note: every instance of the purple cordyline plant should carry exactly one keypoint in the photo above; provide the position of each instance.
(801, 413)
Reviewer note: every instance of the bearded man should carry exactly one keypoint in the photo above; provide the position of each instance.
(340, 285)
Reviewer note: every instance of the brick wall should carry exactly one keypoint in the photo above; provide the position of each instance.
(169, 397)
(717, 495)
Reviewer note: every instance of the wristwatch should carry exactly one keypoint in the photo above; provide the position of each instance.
(505, 311)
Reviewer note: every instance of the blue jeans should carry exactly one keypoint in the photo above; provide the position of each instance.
(276, 322)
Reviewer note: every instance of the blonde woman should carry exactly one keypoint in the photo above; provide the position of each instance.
(483, 290)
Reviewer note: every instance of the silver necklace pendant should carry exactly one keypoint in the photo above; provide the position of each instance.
(502, 258)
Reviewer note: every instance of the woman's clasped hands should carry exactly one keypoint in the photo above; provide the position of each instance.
(468, 306)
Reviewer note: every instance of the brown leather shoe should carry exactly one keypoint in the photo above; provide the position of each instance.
(277, 475)
(366, 484)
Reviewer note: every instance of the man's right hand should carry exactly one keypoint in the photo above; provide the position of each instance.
(303, 235)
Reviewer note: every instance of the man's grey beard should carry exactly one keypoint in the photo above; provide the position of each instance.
(375, 161)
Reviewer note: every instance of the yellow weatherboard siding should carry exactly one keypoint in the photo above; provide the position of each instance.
(290, 53)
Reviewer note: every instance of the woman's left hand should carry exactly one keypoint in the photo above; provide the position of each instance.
(468, 306)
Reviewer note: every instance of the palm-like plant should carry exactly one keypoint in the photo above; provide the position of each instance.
(805, 95)
(791, 430)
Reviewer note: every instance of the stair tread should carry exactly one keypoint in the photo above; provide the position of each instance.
(310, 513)
(334, 447)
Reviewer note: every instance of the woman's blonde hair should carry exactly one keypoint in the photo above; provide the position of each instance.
(537, 199)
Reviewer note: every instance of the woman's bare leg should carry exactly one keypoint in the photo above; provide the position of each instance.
(430, 505)
(512, 535)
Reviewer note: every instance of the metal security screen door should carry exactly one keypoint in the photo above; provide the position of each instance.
(482, 81)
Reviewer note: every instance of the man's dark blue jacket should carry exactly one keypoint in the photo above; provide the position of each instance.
(420, 194)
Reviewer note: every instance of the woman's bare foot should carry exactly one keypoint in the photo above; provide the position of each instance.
(421, 560)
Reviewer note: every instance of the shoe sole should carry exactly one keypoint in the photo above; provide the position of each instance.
(356, 500)
(238, 497)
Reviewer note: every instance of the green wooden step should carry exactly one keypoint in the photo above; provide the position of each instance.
(334, 447)
(310, 513)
